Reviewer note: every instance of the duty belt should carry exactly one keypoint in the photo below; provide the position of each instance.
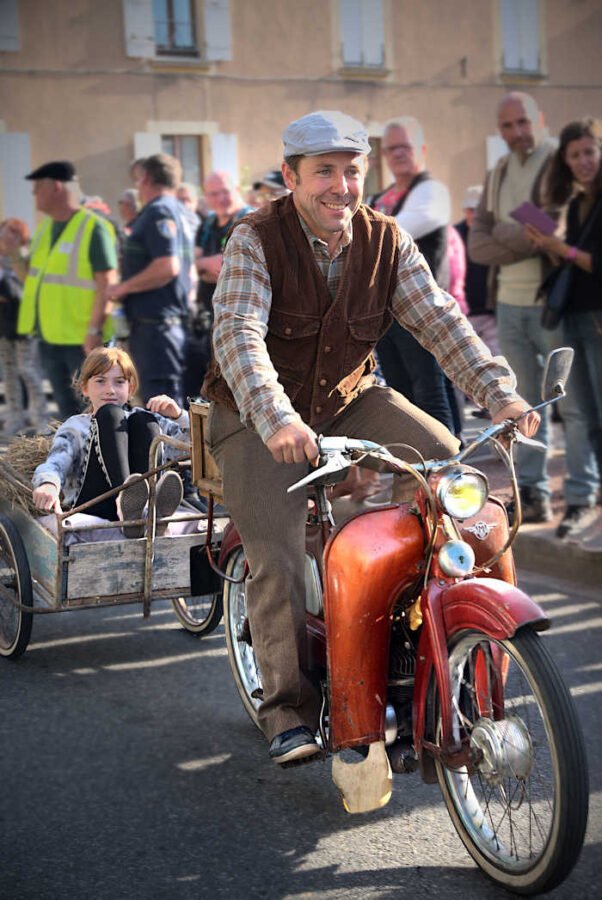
(171, 320)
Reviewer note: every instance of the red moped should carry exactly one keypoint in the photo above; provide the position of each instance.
(430, 658)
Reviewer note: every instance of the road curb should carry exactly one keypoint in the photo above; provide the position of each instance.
(539, 553)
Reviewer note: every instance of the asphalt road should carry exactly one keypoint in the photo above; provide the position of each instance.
(128, 768)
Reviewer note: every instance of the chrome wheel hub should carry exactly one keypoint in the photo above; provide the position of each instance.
(505, 748)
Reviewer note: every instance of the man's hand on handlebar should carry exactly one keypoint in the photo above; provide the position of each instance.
(293, 443)
(527, 425)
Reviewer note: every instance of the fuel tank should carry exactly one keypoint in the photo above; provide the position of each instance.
(369, 560)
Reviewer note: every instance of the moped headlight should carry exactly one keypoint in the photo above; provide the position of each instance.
(462, 492)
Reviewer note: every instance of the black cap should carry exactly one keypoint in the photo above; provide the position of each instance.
(272, 179)
(59, 171)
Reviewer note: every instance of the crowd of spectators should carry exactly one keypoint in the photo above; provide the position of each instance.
(146, 277)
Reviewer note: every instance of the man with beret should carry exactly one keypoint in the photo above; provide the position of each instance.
(73, 261)
(308, 286)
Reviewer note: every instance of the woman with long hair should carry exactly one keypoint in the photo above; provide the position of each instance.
(576, 179)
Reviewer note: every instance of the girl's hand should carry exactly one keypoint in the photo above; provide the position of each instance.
(46, 498)
(165, 406)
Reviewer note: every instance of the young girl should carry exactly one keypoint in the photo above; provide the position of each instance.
(104, 447)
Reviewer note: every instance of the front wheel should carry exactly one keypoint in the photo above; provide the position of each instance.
(521, 809)
(238, 637)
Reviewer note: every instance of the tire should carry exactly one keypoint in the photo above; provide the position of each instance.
(199, 615)
(521, 811)
(15, 583)
(240, 652)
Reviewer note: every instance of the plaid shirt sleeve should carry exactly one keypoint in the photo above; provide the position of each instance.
(436, 321)
(241, 305)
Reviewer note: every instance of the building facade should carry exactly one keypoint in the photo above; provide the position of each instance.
(215, 81)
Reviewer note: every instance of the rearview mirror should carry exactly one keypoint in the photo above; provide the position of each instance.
(556, 373)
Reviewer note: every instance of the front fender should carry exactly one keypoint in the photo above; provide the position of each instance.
(486, 604)
(479, 604)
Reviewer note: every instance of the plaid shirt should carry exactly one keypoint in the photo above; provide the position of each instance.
(242, 303)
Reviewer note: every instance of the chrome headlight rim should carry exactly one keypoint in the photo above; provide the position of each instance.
(448, 491)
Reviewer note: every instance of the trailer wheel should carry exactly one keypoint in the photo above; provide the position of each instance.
(15, 587)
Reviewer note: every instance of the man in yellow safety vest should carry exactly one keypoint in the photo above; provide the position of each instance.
(73, 261)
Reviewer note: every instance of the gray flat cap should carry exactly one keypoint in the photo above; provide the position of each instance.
(325, 131)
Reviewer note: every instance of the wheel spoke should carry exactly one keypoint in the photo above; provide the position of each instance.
(507, 802)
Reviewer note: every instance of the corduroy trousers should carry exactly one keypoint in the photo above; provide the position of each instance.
(271, 524)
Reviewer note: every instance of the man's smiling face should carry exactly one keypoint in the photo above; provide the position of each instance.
(327, 190)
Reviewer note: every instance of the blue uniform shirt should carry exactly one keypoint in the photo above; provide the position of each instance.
(158, 231)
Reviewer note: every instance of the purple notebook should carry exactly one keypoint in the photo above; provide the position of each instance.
(529, 214)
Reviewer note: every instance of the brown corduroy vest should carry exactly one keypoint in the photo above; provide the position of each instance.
(321, 347)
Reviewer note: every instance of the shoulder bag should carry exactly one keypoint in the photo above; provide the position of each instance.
(555, 290)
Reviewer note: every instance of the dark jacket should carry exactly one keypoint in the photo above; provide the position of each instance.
(586, 287)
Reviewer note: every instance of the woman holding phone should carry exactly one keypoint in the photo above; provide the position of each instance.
(576, 179)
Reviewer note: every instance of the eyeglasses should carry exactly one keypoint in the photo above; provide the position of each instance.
(394, 147)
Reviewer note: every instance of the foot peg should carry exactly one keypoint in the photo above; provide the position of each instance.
(366, 785)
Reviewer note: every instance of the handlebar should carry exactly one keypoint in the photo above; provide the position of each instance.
(335, 454)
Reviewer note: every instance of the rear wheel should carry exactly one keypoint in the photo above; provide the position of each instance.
(238, 637)
(199, 615)
(15, 587)
(521, 810)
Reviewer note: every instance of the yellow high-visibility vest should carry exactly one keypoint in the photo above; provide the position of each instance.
(60, 289)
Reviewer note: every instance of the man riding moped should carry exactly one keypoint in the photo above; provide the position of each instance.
(308, 286)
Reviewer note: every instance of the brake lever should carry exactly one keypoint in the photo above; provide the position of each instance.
(336, 463)
(529, 442)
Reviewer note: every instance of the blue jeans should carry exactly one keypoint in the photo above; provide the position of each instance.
(525, 344)
(158, 351)
(60, 363)
(414, 372)
(583, 332)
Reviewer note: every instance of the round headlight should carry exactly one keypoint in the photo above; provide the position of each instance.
(462, 492)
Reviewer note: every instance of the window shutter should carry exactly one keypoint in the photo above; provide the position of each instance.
(351, 31)
(218, 41)
(146, 143)
(520, 35)
(15, 162)
(224, 154)
(139, 28)
(496, 147)
(9, 26)
(529, 26)
(362, 32)
(373, 33)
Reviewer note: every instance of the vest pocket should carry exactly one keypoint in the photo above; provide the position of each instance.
(363, 335)
(292, 344)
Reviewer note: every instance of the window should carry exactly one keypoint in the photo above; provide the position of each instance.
(174, 27)
(521, 36)
(193, 29)
(9, 26)
(188, 148)
(362, 34)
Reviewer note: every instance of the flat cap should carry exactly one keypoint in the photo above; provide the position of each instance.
(325, 131)
(58, 171)
(472, 196)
